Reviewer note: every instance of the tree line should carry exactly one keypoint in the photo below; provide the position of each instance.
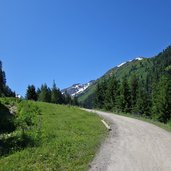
(149, 97)
(44, 93)
(50, 95)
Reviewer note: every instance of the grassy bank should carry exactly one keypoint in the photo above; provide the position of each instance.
(69, 140)
(167, 126)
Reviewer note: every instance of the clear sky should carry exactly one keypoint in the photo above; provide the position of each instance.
(74, 41)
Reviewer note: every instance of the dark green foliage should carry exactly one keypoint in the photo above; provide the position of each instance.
(134, 91)
(2, 79)
(20, 129)
(56, 95)
(27, 116)
(31, 93)
(7, 124)
(75, 101)
(45, 94)
(5, 91)
(138, 87)
(162, 103)
(50, 95)
(68, 99)
(100, 94)
(111, 93)
(143, 104)
(125, 96)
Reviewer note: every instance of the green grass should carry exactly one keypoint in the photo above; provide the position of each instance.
(70, 139)
(167, 126)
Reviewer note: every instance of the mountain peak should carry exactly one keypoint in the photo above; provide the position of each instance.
(77, 89)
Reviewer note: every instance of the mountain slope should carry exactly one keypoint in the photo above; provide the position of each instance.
(138, 67)
(141, 67)
(77, 89)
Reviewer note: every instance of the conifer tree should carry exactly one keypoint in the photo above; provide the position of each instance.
(162, 103)
(134, 91)
(45, 94)
(68, 99)
(100, 95)
(31, 93)
(125, 96)
(54, 94)
(2, 80)
(143, 104)
(75, 101)
(4, 89)
(111, 94)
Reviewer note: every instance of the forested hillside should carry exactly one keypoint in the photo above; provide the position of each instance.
(141, 87)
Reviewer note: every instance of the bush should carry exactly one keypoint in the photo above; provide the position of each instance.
(28, 118)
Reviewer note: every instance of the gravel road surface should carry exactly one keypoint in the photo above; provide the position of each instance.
(133, 145)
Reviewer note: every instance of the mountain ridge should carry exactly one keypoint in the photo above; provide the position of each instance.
(76, 89)
(141, 67)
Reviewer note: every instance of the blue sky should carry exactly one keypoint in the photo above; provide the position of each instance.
(74, 41)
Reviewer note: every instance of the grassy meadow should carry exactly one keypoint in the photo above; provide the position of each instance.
(69, 140)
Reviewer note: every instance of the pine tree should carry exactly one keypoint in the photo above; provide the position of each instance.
(31, 93)
(111, 94)
(68, 99)
(2, 81)
(45, 94)
(143, 104)
(4, 89)
(134, 92)
(125, 96)
(162, 102)
(54, 94)
(75, 101)
(100, 95)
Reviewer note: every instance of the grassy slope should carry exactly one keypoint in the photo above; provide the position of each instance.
(70, 139)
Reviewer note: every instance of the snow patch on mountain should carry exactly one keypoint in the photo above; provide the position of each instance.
(121, 64)
(139, 58)
(77, 89)
(136, 59)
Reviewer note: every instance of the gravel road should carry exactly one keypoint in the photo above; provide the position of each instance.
(133, 145)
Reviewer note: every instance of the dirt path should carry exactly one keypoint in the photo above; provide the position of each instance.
(133, 145)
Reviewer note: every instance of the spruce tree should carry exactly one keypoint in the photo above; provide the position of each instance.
(68, 99)
(75, 101)
(134, 92)
(5, 91)
(31, 93)
(2, 81)
(111, 94)
(162, 103)
(100, 94)
(125, 96)
(54, 94)
(45, 94)
(143, 104)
